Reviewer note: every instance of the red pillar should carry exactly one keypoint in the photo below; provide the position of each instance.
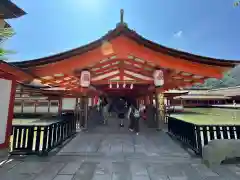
(151, 99)
(95, 100)
(147, 100)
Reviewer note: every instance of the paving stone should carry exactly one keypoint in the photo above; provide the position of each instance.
(9, 164)
(189, 172)
(121, 171)
(50, 171)
(63, 177)
(224, 172)
(178, 178)
(29, 167)
(234, 168)
(17, 176)
(138, 169)
(204, 171)
(85, 172)
(140, 178)
(102, 177)
(104, 168)
(70, 168)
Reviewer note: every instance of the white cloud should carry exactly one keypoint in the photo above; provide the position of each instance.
(178, 34)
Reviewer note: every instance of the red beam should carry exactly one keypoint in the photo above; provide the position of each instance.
(106, 79)
(143, 65)
(138, 70)
(100, 65)
(107, 70)
(103, 82)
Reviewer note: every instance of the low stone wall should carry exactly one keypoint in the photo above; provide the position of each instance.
(219, 150)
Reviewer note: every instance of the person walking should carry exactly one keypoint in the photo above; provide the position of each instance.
(105, 105)
(121, 110)
(134, 117)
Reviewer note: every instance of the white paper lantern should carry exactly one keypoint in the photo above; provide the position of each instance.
(85, 79)
(158, 77)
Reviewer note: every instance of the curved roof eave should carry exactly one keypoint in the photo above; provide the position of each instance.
(11, 10)
(124, 30)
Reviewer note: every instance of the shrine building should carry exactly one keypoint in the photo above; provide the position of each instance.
(120, 63)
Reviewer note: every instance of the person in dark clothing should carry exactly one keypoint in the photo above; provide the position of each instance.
(134, 117)
(105, 107)
(119, 108)
(121, 111)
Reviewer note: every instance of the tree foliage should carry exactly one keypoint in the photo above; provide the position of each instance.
(237, 3)
(228, 80)
(4, 34)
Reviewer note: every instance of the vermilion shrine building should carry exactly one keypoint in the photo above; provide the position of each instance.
(121, 63)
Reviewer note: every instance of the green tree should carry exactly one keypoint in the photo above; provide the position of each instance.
(4, 34)
(237, 3)
(228, 80)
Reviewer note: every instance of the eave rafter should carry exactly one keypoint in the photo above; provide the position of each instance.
(104, 65)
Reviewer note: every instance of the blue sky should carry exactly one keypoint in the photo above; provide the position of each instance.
(205, 27)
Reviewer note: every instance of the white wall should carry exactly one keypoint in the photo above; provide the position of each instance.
(17, 109)
(28, 108)
(42, 108)
(5, 93)
(54, 109)
(90, 102)
(68, 103)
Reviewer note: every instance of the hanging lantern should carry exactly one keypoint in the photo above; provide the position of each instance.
(85, 78)
(158, 77)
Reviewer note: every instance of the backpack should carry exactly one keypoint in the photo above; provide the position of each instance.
(136, 113)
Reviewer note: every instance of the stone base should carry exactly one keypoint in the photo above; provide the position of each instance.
(219, 150)
(4, 153)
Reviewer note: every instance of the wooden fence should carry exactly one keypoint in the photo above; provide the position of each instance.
(40, 139)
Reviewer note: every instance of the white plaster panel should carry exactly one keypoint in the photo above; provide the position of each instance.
(68, 103)
(5, 86)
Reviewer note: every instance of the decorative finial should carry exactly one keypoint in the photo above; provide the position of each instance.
(121, 16)
(121, 23)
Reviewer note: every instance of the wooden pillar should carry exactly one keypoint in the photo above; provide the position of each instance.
(146, 100)
(138, 101)
(143, 100)
(59, 105)
(49, 102)
(84, 112)
(151, 99)
(35, 107)
(160, 109)
(151, 114)
(161, 106)
(81, 112)
(157, 111)
(22, 106)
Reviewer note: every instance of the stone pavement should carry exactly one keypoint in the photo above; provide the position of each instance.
(110, 153)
